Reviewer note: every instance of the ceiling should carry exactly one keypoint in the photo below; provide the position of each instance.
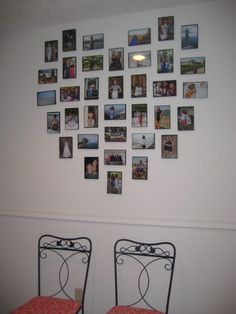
(17, 15)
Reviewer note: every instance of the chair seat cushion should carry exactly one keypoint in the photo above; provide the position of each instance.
(48, 305)
(131, 310)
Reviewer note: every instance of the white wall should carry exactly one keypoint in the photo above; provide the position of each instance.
(190, 201)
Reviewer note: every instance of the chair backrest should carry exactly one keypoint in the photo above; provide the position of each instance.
(144, 273)
(63, 266)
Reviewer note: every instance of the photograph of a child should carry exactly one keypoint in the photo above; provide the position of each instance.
(91, 167)
(69, 68)
(91, 88)
(169, 146)
(71, 118)
(165, 61)
(166, 28)
(53, 122)
(189, 36)
(91, 116)
(139, 115)
(162, 117)
(51, 51)
(143, 141)
(69, 40)
(69, 93)
(66, 147)
(138, 85)
(114, 182)
(115, 87)
(185, 118)
(116, 59)
(139, 168)
(115, 112)
(195, 89)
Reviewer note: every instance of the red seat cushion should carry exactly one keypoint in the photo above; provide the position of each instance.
(131, 310)
(48, 305)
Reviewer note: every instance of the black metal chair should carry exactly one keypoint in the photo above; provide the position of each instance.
(63, 267)
(143, 277)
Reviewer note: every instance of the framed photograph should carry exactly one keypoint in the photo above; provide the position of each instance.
(88, 141)
(114, 157)
(189, 36)
(192, 65)
(71, 118)
(185, 118)
(139, 37)
(69, 93)
(166, 28)
(165, 61)
(139, 59)
(91, 88)
(139, 115)
(162, 117)
(92, 63)
(115, 112)
(91, 116)
(143, 141)
(91, 167)
(47, 76)
(139, 168)
(116, 59)
(51, 51)
(69, 40)
(46, 98)
(53, 122)
(169, 146)
(114, 182)
(138, 85)
(164, 88)
(195, 89)
(115, 87)
(69, 68)
(91, 42)
(66, 147)
(115, 134)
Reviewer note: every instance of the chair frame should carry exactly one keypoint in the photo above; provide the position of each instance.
(75, 246)
(154, 252)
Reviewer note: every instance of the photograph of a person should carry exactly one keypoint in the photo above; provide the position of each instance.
(166, 28)
(139, 115)
(139, 168)
(164, 88)
(115, 112)
(138, 85)
(71, 118)
(92, 63)
(66, 147)
(116, 59)
(162, 117)
(91, 42)
(114, 182)
(69, 68)
(46, 98)
(192, 65)
(53, 122)
(69, 93)
(47, 76)
(139, 59)
(115, 134)
(91, 116)
(185, 118)
(91, 88)
(143, 141)
(169, 146)
(51, 51)
(115, 87)
(165, 61)
(69, 40)
(114, 157)
(91, 167)
(139, 36)
(88, 141)
(195, 89)
(189, 36)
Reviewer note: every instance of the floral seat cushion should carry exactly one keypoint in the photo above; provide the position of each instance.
(131, 310)
(48, 305)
